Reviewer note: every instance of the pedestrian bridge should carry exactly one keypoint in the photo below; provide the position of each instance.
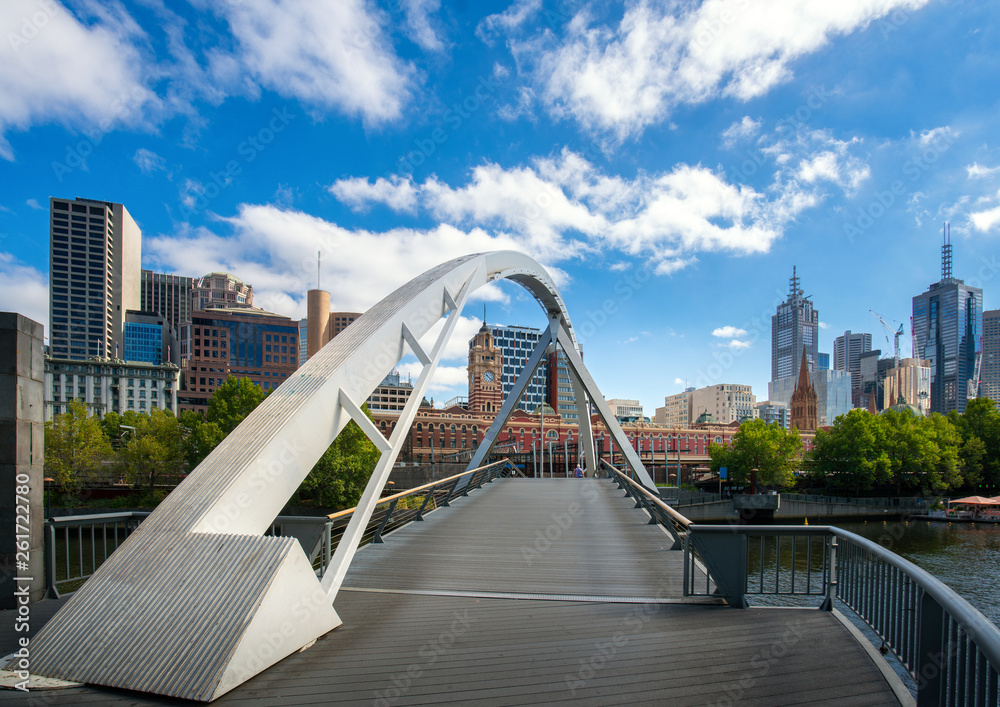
(503, 590)
(538, 591)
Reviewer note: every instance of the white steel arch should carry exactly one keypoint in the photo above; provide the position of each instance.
(200, 572)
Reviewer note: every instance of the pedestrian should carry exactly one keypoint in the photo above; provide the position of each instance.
(578, 472)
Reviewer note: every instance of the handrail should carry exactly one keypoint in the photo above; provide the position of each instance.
(985, 634)
(659, 513)
(674, 515)
(950, 649)
(430, 484)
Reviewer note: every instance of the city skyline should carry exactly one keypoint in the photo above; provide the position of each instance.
(670, 186)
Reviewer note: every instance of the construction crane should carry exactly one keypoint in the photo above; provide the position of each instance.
(896, 334)
(972, 390)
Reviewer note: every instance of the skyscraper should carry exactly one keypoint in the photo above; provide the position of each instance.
(847, 350)
(989, 381)
(94, 253)
(793, 327)
(169, 296)
(515, 344)
(947, 322)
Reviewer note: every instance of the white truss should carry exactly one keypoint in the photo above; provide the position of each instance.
(192, 554)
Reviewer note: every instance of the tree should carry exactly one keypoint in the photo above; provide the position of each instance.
(979, 427)
(232, 402)
(202, 437)
(923, 452)
(113, 425)
(76, 448)
(341, 474)
(852, 453)
(156, 450)
(769, 448)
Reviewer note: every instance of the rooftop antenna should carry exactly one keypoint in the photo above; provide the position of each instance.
(946, 251)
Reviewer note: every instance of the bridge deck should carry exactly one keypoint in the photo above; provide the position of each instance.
(471, 606)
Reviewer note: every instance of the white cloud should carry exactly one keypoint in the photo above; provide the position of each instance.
(739, 131)
(330, 53)
(450, 380)
(24, 290)
(729, 332)
(274, 249)
(680, 381)
(824, 325)
(510, 19)
(56, 68)
(986, 219)
(398, 194)
(977, 171)
(737, 344)
(148, 161)
(418, 24)
(562, 207)
(33, 203)
(626, 77)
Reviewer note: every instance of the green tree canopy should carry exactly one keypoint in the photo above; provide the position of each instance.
(769, 448)
(852, 454)
(979, 427)
(157, 450)
(232, 402)
(341, 474)
(76, 448)
(202, 437)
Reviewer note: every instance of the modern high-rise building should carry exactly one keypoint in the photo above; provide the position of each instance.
(947, 323)
(303, 340)
(169, 296)
(561, 396)
(989, 378)
(774, 412)
(515, 344)
(242, 342)
(150, 338)
(94, 269)
(847, 350)
(793, 327)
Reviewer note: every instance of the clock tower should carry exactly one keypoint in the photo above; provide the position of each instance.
(485, 392)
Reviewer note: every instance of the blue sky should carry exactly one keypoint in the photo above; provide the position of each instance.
(668, 162)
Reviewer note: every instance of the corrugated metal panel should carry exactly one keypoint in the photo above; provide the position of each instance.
(164, 617)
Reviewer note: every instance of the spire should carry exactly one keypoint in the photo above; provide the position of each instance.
(793, 285)
(871, 403)
(946, 251)
(803, 372)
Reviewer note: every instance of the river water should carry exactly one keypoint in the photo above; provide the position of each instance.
(965, 556)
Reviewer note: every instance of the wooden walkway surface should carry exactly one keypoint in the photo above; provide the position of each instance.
(551, 591)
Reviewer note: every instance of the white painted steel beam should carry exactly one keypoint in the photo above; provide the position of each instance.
(204, 583)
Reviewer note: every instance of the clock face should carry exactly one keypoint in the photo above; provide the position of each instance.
(488, 376)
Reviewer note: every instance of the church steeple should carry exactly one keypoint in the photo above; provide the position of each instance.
(805, 411)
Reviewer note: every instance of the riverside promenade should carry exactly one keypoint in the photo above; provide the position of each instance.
(541, 591)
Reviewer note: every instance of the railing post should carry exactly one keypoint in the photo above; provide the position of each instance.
(427, 498)
(385, 521)
(831, 585)
(50, 561)
(445, 503)
(931, 652)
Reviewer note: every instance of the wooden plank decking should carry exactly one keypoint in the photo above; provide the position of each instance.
(470, 607)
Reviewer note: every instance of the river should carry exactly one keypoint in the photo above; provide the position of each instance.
(965, 556)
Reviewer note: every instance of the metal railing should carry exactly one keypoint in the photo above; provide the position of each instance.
(75, 546)
(949, 648)
(659, 512)
(876, 501)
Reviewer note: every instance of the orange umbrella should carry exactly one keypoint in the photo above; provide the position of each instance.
(977, 501)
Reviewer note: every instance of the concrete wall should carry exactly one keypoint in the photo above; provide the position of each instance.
(22, 445)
